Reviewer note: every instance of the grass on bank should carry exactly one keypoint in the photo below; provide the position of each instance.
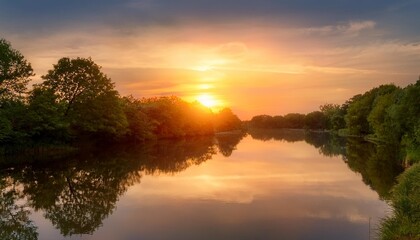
(404, 224)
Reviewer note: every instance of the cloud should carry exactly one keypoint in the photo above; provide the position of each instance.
(359, 26)
(232, 50)
(352, 27)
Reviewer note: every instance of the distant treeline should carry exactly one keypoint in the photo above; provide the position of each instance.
(387, 113)
(77, 100)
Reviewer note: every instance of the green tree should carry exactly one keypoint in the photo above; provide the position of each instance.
(315, 120)
(45, 115)
(140, 126)
(91, 105)
(360, 106)
(15, 72)
(294, 120)
(382, 118)
(14, 118)
(334, 114)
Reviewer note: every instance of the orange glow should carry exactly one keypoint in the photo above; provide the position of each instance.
(274, 70)
(203, 68)
(207, 100)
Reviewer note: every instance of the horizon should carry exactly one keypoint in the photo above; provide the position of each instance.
(265, 57)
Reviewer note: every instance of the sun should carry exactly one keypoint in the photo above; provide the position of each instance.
(207, 100)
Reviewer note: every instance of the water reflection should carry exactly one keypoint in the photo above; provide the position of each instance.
(276, 187)
(227, 142)
(14, 215)
(77, 192)
(378, 164)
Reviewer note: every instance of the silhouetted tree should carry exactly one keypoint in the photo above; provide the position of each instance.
(226, 120)
(15, 72)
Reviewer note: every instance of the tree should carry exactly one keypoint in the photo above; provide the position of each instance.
(383, 118)
(226, 120)
(262, 121)
(294, 120)
(13, 121)
(315, 120)
(140, 126)
(334, 114)
(91, 105)
(360, 107)
(15, 72)
(172, 117)
(44, 115)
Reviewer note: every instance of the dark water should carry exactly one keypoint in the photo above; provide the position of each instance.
(266, 185)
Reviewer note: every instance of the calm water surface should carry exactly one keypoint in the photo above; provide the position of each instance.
(260, 186)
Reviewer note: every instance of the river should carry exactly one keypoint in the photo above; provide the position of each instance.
(273, 184)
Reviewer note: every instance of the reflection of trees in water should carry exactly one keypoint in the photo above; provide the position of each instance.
(288, 135)
(379, 165)
(173, 156)
(78, 192)
(14, 214)
(327, 144)
(76, 195)
(226, 143)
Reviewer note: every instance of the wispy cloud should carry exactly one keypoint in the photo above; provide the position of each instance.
(352, 27)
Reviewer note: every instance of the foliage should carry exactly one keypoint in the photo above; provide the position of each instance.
(405, 222)
(15, 72)
(91, 105)
(171, 117)
(291, 120)
(360, 106)
(140, 126)
(334, 115)
(316, 120)
(226, 120)
(13, 114)
(44, 113)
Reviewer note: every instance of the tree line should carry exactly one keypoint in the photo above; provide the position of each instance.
(387, 113)
(77, 100)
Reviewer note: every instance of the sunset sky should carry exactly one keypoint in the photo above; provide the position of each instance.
(265, 56)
